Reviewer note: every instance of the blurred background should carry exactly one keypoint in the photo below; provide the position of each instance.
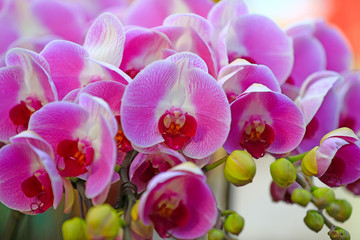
(264, 219)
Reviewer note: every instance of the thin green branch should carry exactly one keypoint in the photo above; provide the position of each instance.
(214, 165)
(296, 158)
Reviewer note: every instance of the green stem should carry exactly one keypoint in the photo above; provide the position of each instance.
(13, 224)
(213, 165)
(297, 157)
(80, 187)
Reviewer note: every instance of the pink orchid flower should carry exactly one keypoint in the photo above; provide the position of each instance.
(282, 194)
(179, 203)
(264, 121)
(176, 103)
(73, 66)
(82, 137)
(253, 37)
(317, 46)
(29, 180)
(145, 166)
(321, 107)
(26, 86)
(336, 162)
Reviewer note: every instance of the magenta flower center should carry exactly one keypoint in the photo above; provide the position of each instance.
(21, 113)
(256, 137)
(34, 187)
(76, 158)
(177, 128)
(169, 212)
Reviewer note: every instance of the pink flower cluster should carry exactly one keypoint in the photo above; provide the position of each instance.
(175, 87)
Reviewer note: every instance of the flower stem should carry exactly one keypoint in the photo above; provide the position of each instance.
(215, 164)
(296, 158)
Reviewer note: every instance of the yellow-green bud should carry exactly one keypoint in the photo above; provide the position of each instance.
(301, 196)
(314, 220)
(309, 163)
(74, 229)
(323, 197)
(339, 234)
(215, 234)
(283, 172)
(102, 221)
(240, 168)
(234, 223)
(340, 210)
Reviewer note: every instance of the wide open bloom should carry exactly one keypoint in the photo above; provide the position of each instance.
(179, 203)
(264, 121)
(25, 86)
(321, 107)
(176, 103)
(29, 180)
(317, 46)
(145, 166)
(82, 137)
(73, 66)
(336, 162)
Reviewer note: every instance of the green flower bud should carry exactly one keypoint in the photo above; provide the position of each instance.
(340, 210)
(314, 220)
(323, 197)
(74, 229)
(339, 234)
(102, 221)
(309, 163)
(234, 223)
(215, 234)
(301, 196)
(240, 168)
(283, 172)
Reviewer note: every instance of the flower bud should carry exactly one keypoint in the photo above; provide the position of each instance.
(102, 221)
(234, 223)
(314, 220)
(301, 196)
(215, 234)
(323, 197)
(339, 234)
(240, 168)
(283, 172)
(340, 210)
(74, 229)
(309, 163)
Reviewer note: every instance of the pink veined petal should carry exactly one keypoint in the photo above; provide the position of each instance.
(97, 107)
(212, 114)
(66, 61)
(100, 199)
(314, 90)
(20, 162)
(105, 39)
(198, 23)
(343, 133)
(225, 11)
(142, 47)
(9, 31)
(141, 103)
(71, 96)
(102, 169)
(338, 52)
(236, 78)
(309, 57)
(110, 91)
(344, 168)
(194, 60)
(61, 18)
(258, 38)
(36, 73)
(11, 81)
(67, 118)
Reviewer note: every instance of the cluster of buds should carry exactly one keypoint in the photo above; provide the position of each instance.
(144, 93)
